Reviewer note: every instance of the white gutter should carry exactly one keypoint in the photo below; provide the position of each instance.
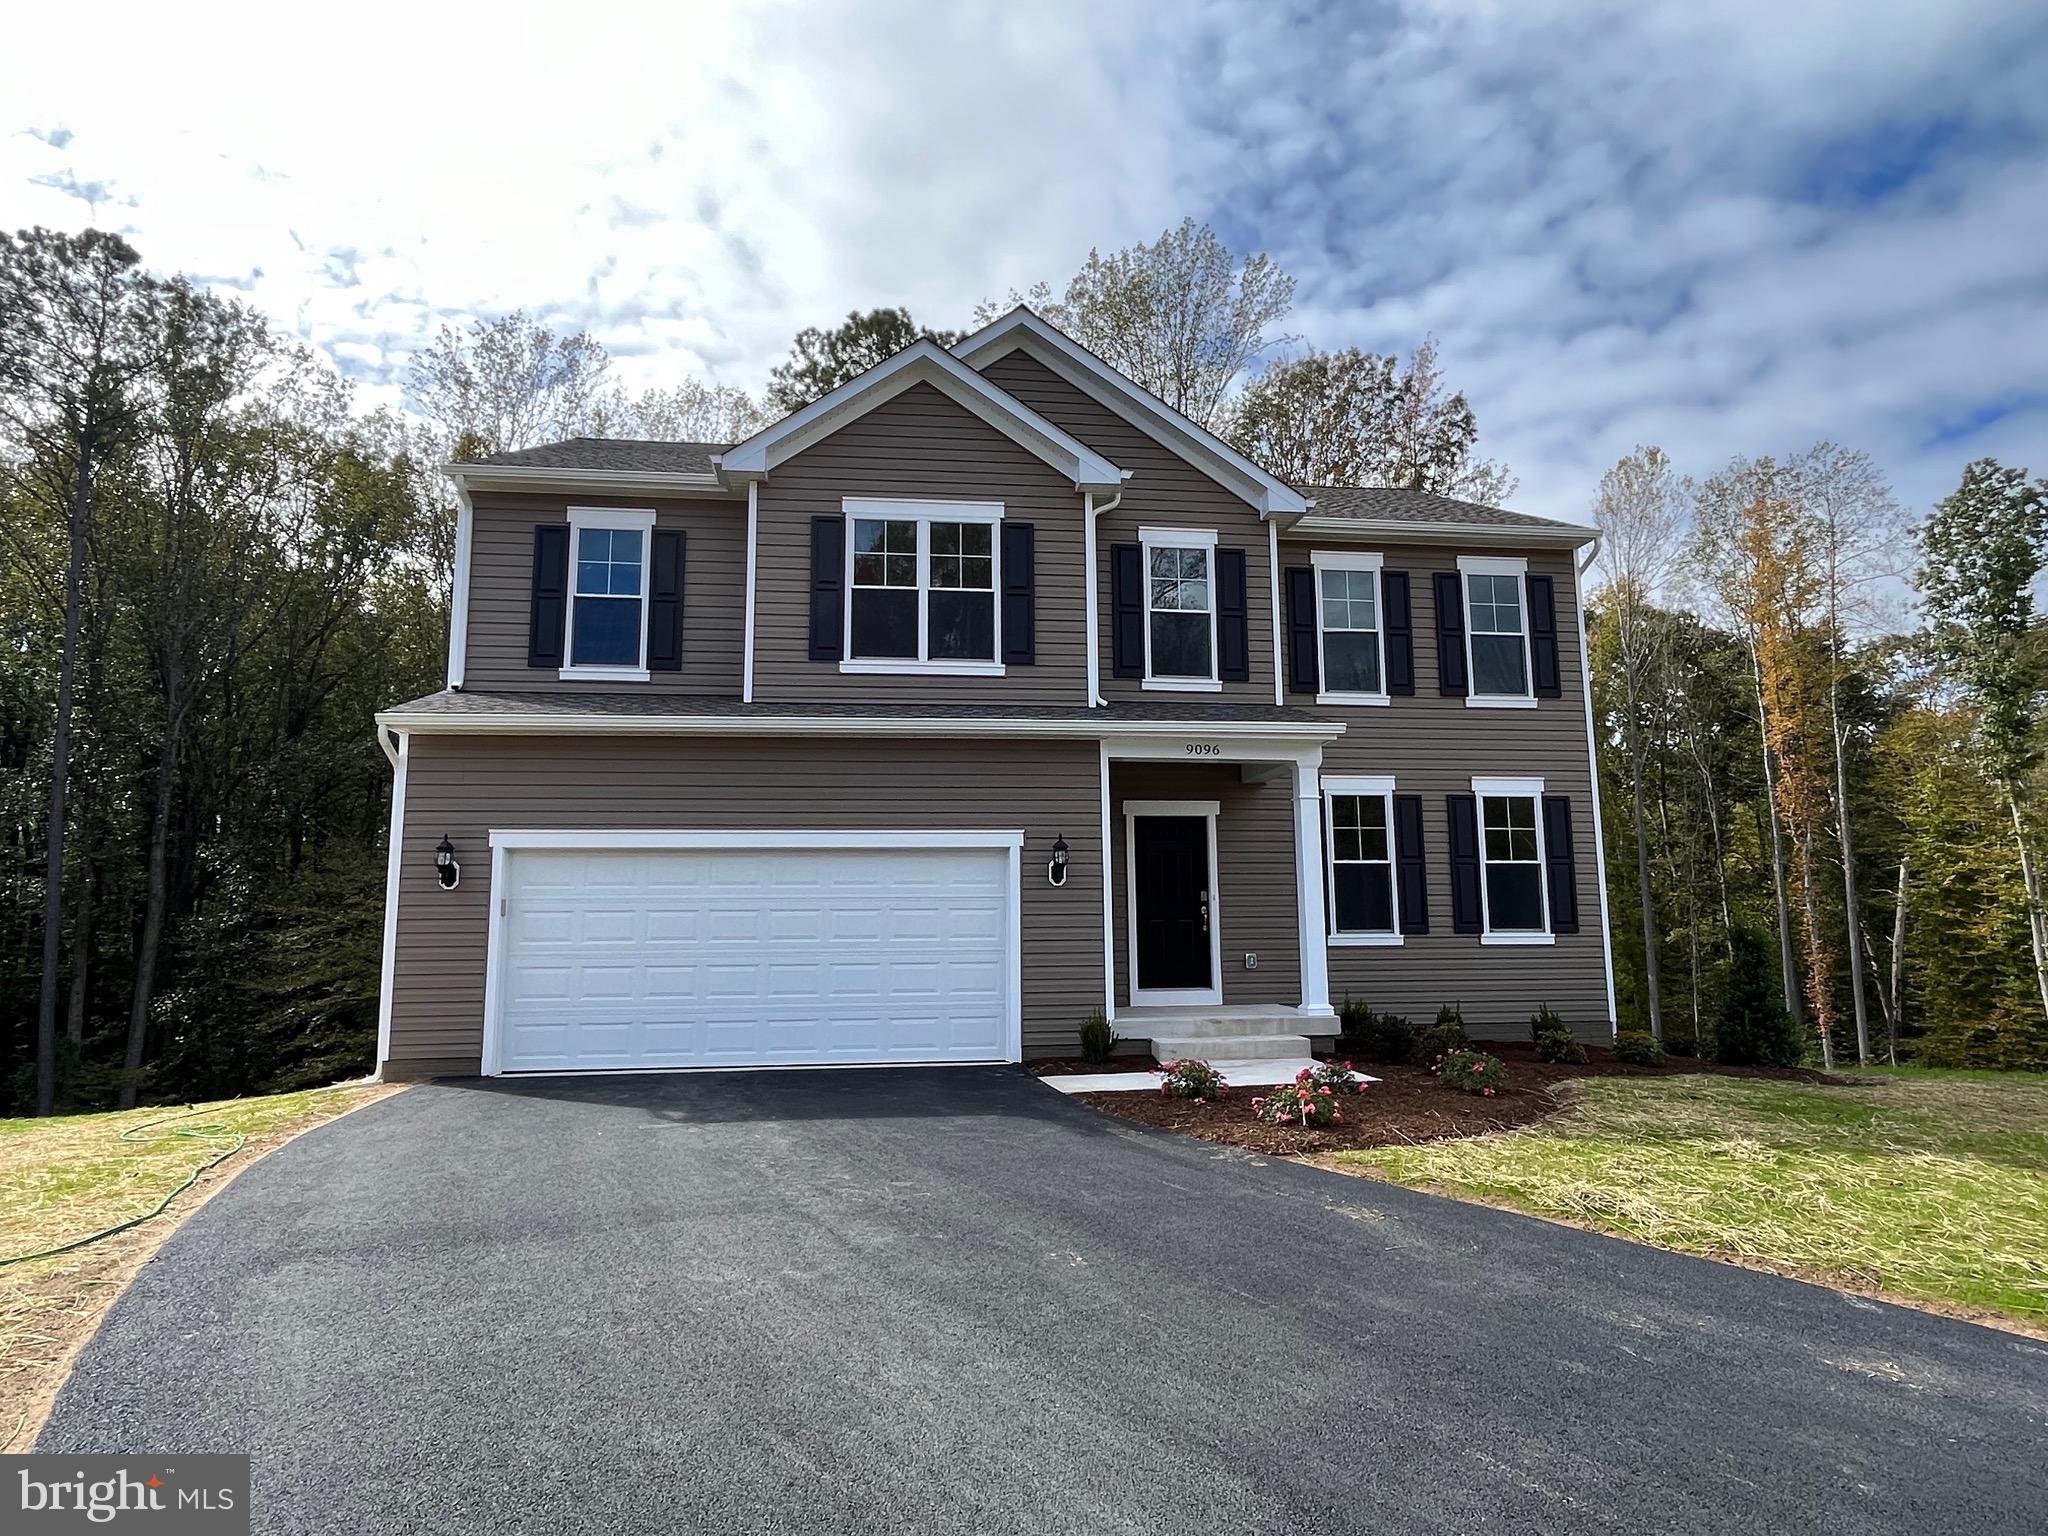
(1080, 728)
(1273, 569)
(1593, 768)
(458, 598)
(753, 545)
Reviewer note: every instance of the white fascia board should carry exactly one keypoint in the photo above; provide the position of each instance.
(635, 482)
(923, 362)
(1377, 531)
(1273, 496)
(541, 723)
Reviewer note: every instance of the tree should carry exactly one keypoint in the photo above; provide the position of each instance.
(1641, 520)
(1182, 316)
(505, 384)
(1985, 546)
(820, 360)
(1357, 418)
(693, 412)
(1753, 1029)
(69, 350)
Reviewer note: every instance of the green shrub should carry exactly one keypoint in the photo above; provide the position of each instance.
(1438, 1041)
(1391, 1038)
(1303, 1102)
(1354, 1021)
(1554, 1038)
(1687, 1046)
(1472, 1072)
(1638, 1047)
(1337, 1076)
(1451, 1016)
(1191, 1080)
(1098, 1037)
(1754, 1029)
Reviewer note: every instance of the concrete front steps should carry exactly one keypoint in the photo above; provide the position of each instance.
(1220, 1034)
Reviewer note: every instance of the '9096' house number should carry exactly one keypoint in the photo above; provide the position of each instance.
(1203, 749)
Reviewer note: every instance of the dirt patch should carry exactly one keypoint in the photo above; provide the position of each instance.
(50, 1308)
(1408, 1104)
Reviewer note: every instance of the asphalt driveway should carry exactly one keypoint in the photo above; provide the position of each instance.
(951, 1301)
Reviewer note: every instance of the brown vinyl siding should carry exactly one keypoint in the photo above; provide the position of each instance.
(501, 587)
(1255, 873)
(1433, 746)
(920, 445)
(468, 786)
(1165, 491)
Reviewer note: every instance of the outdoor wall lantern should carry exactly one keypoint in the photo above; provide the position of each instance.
(1056, 866)
(445, 866)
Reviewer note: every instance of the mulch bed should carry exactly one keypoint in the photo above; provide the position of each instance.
(1062, 1066)
(1407, 1105)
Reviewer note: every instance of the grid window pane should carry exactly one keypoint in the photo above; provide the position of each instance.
(961, 557)
(884, 552)
(1514, 870)
(1177, 592)
(1362, 877)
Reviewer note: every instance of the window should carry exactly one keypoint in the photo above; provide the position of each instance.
(1359, 817)
(608, 594)
(921, 591)
(1180, 608)
(1511, 860)
(1496, 630)
(1348, 628)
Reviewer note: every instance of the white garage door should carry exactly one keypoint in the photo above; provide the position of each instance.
(727, 957)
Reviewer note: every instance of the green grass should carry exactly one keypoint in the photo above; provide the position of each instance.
(1923, 1184)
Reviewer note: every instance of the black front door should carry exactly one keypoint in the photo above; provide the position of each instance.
(1171, 870)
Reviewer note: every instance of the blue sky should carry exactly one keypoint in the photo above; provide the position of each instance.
(1732, 228)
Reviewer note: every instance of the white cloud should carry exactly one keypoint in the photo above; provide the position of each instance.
(1729, 228)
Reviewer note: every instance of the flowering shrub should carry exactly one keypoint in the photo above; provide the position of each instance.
(1191, 1080)
(1473, 1071)
(1301, 1102)
(1337, 1076)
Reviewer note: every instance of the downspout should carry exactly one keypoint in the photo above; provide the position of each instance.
(1273, 570)
(458, 599)
(1088, 588)
(401, 760)
(753, 544)
(1593, 771)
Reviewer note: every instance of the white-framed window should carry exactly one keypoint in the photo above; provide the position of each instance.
(1180, 608)
(1358, 831)
(921, 586)
(1350, 628)
(1514, 898)
(607, 622)
(1496, 631)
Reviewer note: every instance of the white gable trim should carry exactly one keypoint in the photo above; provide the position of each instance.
(923, 362)
(1021, 328)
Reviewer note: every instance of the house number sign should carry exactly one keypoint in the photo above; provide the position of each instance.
(1202, 749)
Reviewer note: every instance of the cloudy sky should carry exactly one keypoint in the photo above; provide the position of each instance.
(1730, 227)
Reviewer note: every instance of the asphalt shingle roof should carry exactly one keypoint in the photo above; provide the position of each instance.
(603, 453)
(1394, 504)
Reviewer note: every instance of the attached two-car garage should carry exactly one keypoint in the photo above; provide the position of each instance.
(633, 951)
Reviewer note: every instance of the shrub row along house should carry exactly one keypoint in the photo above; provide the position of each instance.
(982, 693)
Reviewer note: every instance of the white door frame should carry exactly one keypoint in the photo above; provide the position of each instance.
(506, 842)
(1208, 810)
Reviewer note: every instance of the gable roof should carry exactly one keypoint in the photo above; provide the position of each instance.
(922, 362)
(1381, 508)
(1022, 327)
(637, 455)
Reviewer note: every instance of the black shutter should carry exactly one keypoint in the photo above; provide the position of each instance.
(665, 601)
(1400, 634)
(1126, 611)
(1450, 635)
(1020, 611)
(548, 612)
(1304, 669)
(1411, 874)
(828, 588)
(1543, 637)
(1467, 916)
(1563, 870)
(1233, 619)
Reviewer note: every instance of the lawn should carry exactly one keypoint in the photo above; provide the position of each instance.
(71, 1176)
(1926, 1186)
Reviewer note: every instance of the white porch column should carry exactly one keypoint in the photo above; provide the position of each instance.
(1308, 884)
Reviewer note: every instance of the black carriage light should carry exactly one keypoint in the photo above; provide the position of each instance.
(445, 866)
(1056, 866)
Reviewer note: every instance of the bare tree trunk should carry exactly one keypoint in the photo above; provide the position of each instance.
(1788, 961)
(2030, 874)
(1851, 906)
(1896, 1014)
(60, 775)
(152, 914)
(81, 952)
(1643, 890)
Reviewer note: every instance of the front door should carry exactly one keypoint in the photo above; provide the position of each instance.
(1170, 867)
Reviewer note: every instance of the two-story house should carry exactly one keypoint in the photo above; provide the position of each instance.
(985, 692)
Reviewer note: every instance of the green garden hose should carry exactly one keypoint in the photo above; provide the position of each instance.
(210, 1132)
